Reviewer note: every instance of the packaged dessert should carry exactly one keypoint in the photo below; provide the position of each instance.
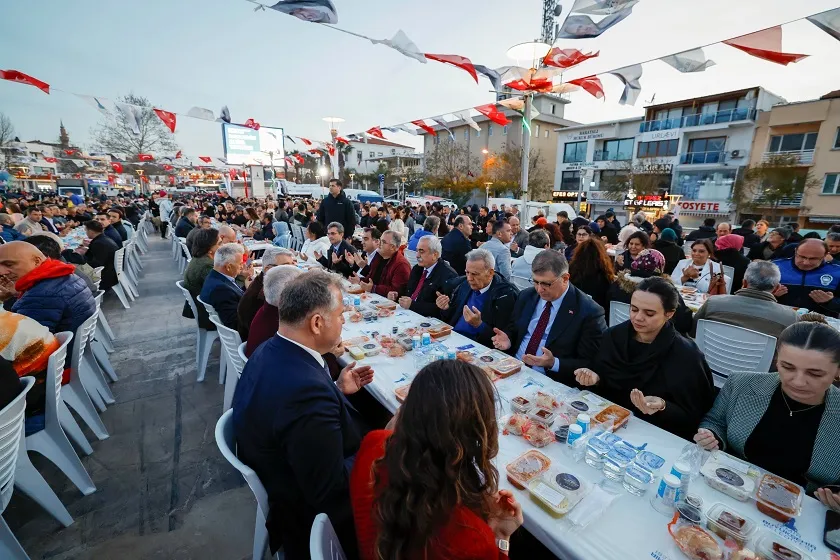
(406, 343)
(356, 317)
(439, 333)
(537, 435)
(371, 349)
(770, 547)
(401, 392)
(557, 492)
(355, 341)
(728, 475)
(545, 400)
(465, 356)
(356, 352)
(492, 358)
(386, 341)
(515, 423)
(382, 312)
(695, 542)
(396, 351)
(355, 289)
(521, 404)
(596, 403)
(542, 416)
(506, 367)
(526, 467)
(778, 498)
(387, 304)
(613, 415)
(727, 523)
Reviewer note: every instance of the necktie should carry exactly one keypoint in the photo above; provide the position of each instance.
(539, 331)
(419, 285)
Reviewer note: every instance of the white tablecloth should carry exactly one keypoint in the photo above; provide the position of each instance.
(630, 528)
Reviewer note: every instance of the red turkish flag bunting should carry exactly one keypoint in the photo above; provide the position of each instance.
(251, 123)
(112, 179)
(178, 155)
(591, 84)
(167, 118)
(205, 159)
(306, 141)
(542, 85)
(69, 152)
(317, 151)
(21, 78)
(493, 114)
(50, 159)
(342, 140)
(289, 161)
(376, 131)
(461, 62)
(766, 45)
(117, 167)
(145, 157)
(299, 158)
(331, 149)
(566, 58)
(167, 167)
(420, 123)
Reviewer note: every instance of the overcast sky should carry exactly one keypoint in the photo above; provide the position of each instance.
(285, 72)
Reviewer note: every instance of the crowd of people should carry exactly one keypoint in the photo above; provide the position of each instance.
(423, 483)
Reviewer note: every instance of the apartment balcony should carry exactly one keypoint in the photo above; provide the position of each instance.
(791, 202)
(701, 158)
(799, 157)
(699, 119)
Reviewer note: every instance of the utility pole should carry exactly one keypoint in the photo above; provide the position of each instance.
(526, 153)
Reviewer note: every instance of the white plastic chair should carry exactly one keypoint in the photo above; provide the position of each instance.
(97, 347)
(323, 542)
(521, 282)
(119, 288)
(230, 352)
(728, 275)
(204, 338)
(411, 256)
(211, 311)
(728, 349)
(52, 442)
(242, 353)
(11, 432)
(74, 393)
(130, 280)
(226, 441)
(92, 376)
(619, 312)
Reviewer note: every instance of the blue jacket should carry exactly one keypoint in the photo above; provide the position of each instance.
(800, 283)
(11, 234)
(412, 243)
(224, 296)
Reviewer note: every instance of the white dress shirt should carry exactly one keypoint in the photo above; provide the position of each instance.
(532, 325)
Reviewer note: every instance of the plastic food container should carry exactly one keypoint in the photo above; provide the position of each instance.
(610, 438)
(725, 522)
(542, 416)
(506, 367)
(439, 333)
(617, 460)
(778, 498)
(356, 352)
(696, 543)
(401, 392)
(406, 343)
(558, 493)
(537, 434)
(515, 423)
(389, 305)
(650, 461)
(728, 475)
(526, 467)
(491, 375)
(614, 415)
(521, 404)
(690, 513)
(371, 349)
(465, 356)
(596, 403)
(637, 480)
(596, 450)
(771, 547)
(545, 400)
(396, 351)
(578, 405)
(491, 359)
(356, 341)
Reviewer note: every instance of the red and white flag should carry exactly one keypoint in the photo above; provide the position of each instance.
(289, 161)
(566, 58)
(766, 45)
(491, 112)
(167, 167)
(300, 159)
(145, 157)
(251, 123)
(376, 131)
(69, 152)
(167, 118)
(591, 84)
(50, 159)
(331, 150)
(342, 140)
(305, 141)
(117, 167)
(422, 124)
(205, 159)
(21, 78)
(461, 62)
(178, 155)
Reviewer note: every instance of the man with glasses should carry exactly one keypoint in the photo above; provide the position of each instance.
(395, 271)
(808, 280)
(335, 260)
(427, 279)
(556, 328)
(204, 222)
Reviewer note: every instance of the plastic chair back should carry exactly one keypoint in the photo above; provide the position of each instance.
(728, 348)
(520, 282)
(411, 256)
(119, 257)
(80, 341)
(55, 371)
(729, 274)
(242, 355)
(619, 312)
(231, 341)
(226, 441)
(188, 297)
(210, 309)
(323, 542)
(11, 430)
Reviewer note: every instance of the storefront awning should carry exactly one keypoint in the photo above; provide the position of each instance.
(825, 219)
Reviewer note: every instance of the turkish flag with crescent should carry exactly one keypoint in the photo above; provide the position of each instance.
(251, 123)
(117, 167)
(21, 78)
(145, 157)
(167, 118)
(592, 84)
(493, 114)
(566, 58)
(424, 126)
(167, 167)
(461, 62)
(178, 155)
(377, 132)
(50, 159)
(205, 159)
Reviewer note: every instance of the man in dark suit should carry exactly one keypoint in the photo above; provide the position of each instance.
(294, 425)
(187, 223)
(427, 278)
(395, 270)
(456, 244)
(334, 260)
(100, 251)
(556, 327)
(220, 289)
(371, 263)
(480, 302)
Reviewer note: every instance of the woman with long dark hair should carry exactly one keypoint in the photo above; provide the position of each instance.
(637, 242)
(591, 270)
(582, 233)
(555, 236)
(428, 489)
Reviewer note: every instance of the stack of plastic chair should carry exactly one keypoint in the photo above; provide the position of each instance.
(120, 287)
(11, 433)
(74, 393)
(230, 352)
(104, 334)
(204, 338)
(97, 347)
(211, 311)
(323, 542)
(51, 441)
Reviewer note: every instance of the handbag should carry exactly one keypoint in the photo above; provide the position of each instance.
(717, 283)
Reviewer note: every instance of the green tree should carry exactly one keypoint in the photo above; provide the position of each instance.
(505, 172)
(777, 179)
(451, 171)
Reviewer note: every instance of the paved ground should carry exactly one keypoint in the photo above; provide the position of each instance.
(163, 489)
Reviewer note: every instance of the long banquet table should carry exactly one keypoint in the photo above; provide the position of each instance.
(630, 528)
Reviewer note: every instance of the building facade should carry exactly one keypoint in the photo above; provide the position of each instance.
(365, 157)
(809, 131)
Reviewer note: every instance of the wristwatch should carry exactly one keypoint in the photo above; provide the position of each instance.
(504, 545)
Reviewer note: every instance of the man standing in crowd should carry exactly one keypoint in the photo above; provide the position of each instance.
(165, 207)
(753, 306)
(254, 297)
(538, 241)
(556, 328)
(480, 302)
(220, 288)
(395, 270)
(338, 208)
(187, 223)
(751, 239)
(497, 246)
(808, 280)
(520, 238)
(293, 425)
(706, 231)
(427, 278)
(795, 236)
(98, 252)
(335, 259)
(456, 244)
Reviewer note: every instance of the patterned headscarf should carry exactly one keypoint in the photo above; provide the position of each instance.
(649, 261)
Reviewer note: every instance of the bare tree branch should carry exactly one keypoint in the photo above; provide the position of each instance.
(7, 130)
(116, 134)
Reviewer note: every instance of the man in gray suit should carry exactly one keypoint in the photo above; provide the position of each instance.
(753, 306)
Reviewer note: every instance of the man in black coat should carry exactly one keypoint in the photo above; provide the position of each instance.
(334, 259)
(100, 251)
(456, 244)
(116, 215)
(706, 231)
(480, 302)
(747, 231)
(187, 223)
(108, 229)
(428, 277)
(338, 208)
(220, 288)
(556, 328)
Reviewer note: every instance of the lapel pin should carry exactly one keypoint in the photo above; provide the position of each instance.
(571, 312)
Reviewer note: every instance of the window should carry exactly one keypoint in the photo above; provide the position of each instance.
(831, 184)
(466, 134)
(618, 150)
(373, 154)
(574, 152)
(613, 177)
(504, 131)
(701, 145)
(546, 133)
(836, 139)
(489, 130)
(537, 131)
(478, 133)
(793, 142)
(553, 107)
(570, 181)
(663, 148)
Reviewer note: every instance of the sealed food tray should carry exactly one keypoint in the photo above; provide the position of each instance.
(545, 400)
(778, 498)
(506, 367)
(771, 547)
(356, 340)
(355, 289)
(728, 475)
(557, 492)
(537, 434)
(439, 333)
(696, 543)
(613, 414)
(726, 522)
(514, 424)
(542, 416)
(521, 404)
(387, 304)
(522, 470)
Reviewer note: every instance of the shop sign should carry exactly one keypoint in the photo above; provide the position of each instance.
(587, 134)
(704, 206)
(646, 201)
(565, 196)
(653, 169)
(579, 165)
(658, 135)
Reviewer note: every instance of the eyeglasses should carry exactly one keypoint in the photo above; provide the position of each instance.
(538, 284)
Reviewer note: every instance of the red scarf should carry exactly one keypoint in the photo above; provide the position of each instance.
(50, 268)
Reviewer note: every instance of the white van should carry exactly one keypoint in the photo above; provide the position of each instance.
(310, 190)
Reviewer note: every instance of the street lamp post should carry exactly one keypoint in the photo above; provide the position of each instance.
(334, 122)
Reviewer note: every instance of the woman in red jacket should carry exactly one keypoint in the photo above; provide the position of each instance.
(429, 489)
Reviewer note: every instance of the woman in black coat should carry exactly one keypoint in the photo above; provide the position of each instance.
(646, 366)
(728, 252)
(667, 245)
